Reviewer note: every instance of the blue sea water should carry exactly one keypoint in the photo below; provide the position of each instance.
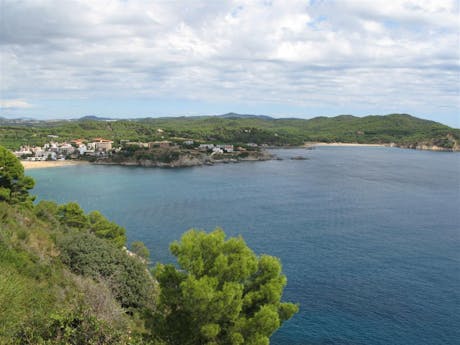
(369, 237)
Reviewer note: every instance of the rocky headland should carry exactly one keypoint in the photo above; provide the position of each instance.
(184, 159)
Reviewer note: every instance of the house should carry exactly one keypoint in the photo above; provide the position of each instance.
(82, 148)
(161, 144)
(38, 152)
(225, 147)
(102, 144)
(66, 149)
(53, 147)
(228, 148)
(205, 147)
(24, 151)
(136, 144)
(77, 142)
(51, 156)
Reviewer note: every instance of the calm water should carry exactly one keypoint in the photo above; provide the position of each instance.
(369, 237)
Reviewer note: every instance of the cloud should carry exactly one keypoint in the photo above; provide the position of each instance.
(344, 53)
(14, 104)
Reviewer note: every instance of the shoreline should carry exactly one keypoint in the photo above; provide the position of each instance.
(422, 147)
(50, 164)
(345, 144)
(197, 162)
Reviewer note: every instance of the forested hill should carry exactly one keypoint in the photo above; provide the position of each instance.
(401, 129)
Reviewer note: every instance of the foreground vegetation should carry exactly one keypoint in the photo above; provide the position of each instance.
(66, 278)
(400, 129)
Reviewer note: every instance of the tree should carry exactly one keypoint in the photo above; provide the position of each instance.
(103, 228)
(72, 215)
(14, 186)
(139, 248)
(46, 210)
(223, 293)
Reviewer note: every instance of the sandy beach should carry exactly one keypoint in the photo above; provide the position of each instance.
(50, 164)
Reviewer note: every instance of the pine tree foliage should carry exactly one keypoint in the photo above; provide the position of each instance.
(222, 294)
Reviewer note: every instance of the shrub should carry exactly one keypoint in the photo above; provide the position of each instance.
(127, 276)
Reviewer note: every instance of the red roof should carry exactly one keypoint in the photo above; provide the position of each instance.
(102, 140)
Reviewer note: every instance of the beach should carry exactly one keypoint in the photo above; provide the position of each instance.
(50, 164)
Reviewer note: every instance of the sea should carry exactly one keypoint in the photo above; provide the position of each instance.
(369, 237)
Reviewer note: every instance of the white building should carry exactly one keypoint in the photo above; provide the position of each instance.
(82, 149)
(66, 149)
(206, 146)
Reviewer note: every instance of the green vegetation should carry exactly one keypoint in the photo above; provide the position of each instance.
(103, 228)
(223, 293)
(401, 129)
(41, 300)
(14, 186)
(66, 279)
(139, 248)
(128, 278)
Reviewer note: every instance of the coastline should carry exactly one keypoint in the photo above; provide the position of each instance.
(50, 164)
(184, 162)
(344, 144)
(423, 147)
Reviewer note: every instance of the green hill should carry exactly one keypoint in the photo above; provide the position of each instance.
(65, 278)
(401, 129)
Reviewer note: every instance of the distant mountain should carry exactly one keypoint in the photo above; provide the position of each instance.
(94, 118)
(19, 120)
(245, 116)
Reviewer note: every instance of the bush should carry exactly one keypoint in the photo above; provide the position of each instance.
(93, 257)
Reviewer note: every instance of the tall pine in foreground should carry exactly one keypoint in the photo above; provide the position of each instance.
(222, 294)
(14, 185)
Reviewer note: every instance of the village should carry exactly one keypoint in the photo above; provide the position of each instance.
(100, 148)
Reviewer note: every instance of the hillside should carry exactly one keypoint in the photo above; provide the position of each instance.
(68, 279)
(45, 298)
(401, 129)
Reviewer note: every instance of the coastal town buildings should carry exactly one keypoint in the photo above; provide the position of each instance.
(103, 148)
(54, 150)
(215, 148)
(102, 144)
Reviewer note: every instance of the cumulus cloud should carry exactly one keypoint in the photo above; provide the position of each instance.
(348, 54)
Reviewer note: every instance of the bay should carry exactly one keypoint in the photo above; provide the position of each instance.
(369, 237)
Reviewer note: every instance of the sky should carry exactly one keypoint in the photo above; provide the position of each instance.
(287, 58)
